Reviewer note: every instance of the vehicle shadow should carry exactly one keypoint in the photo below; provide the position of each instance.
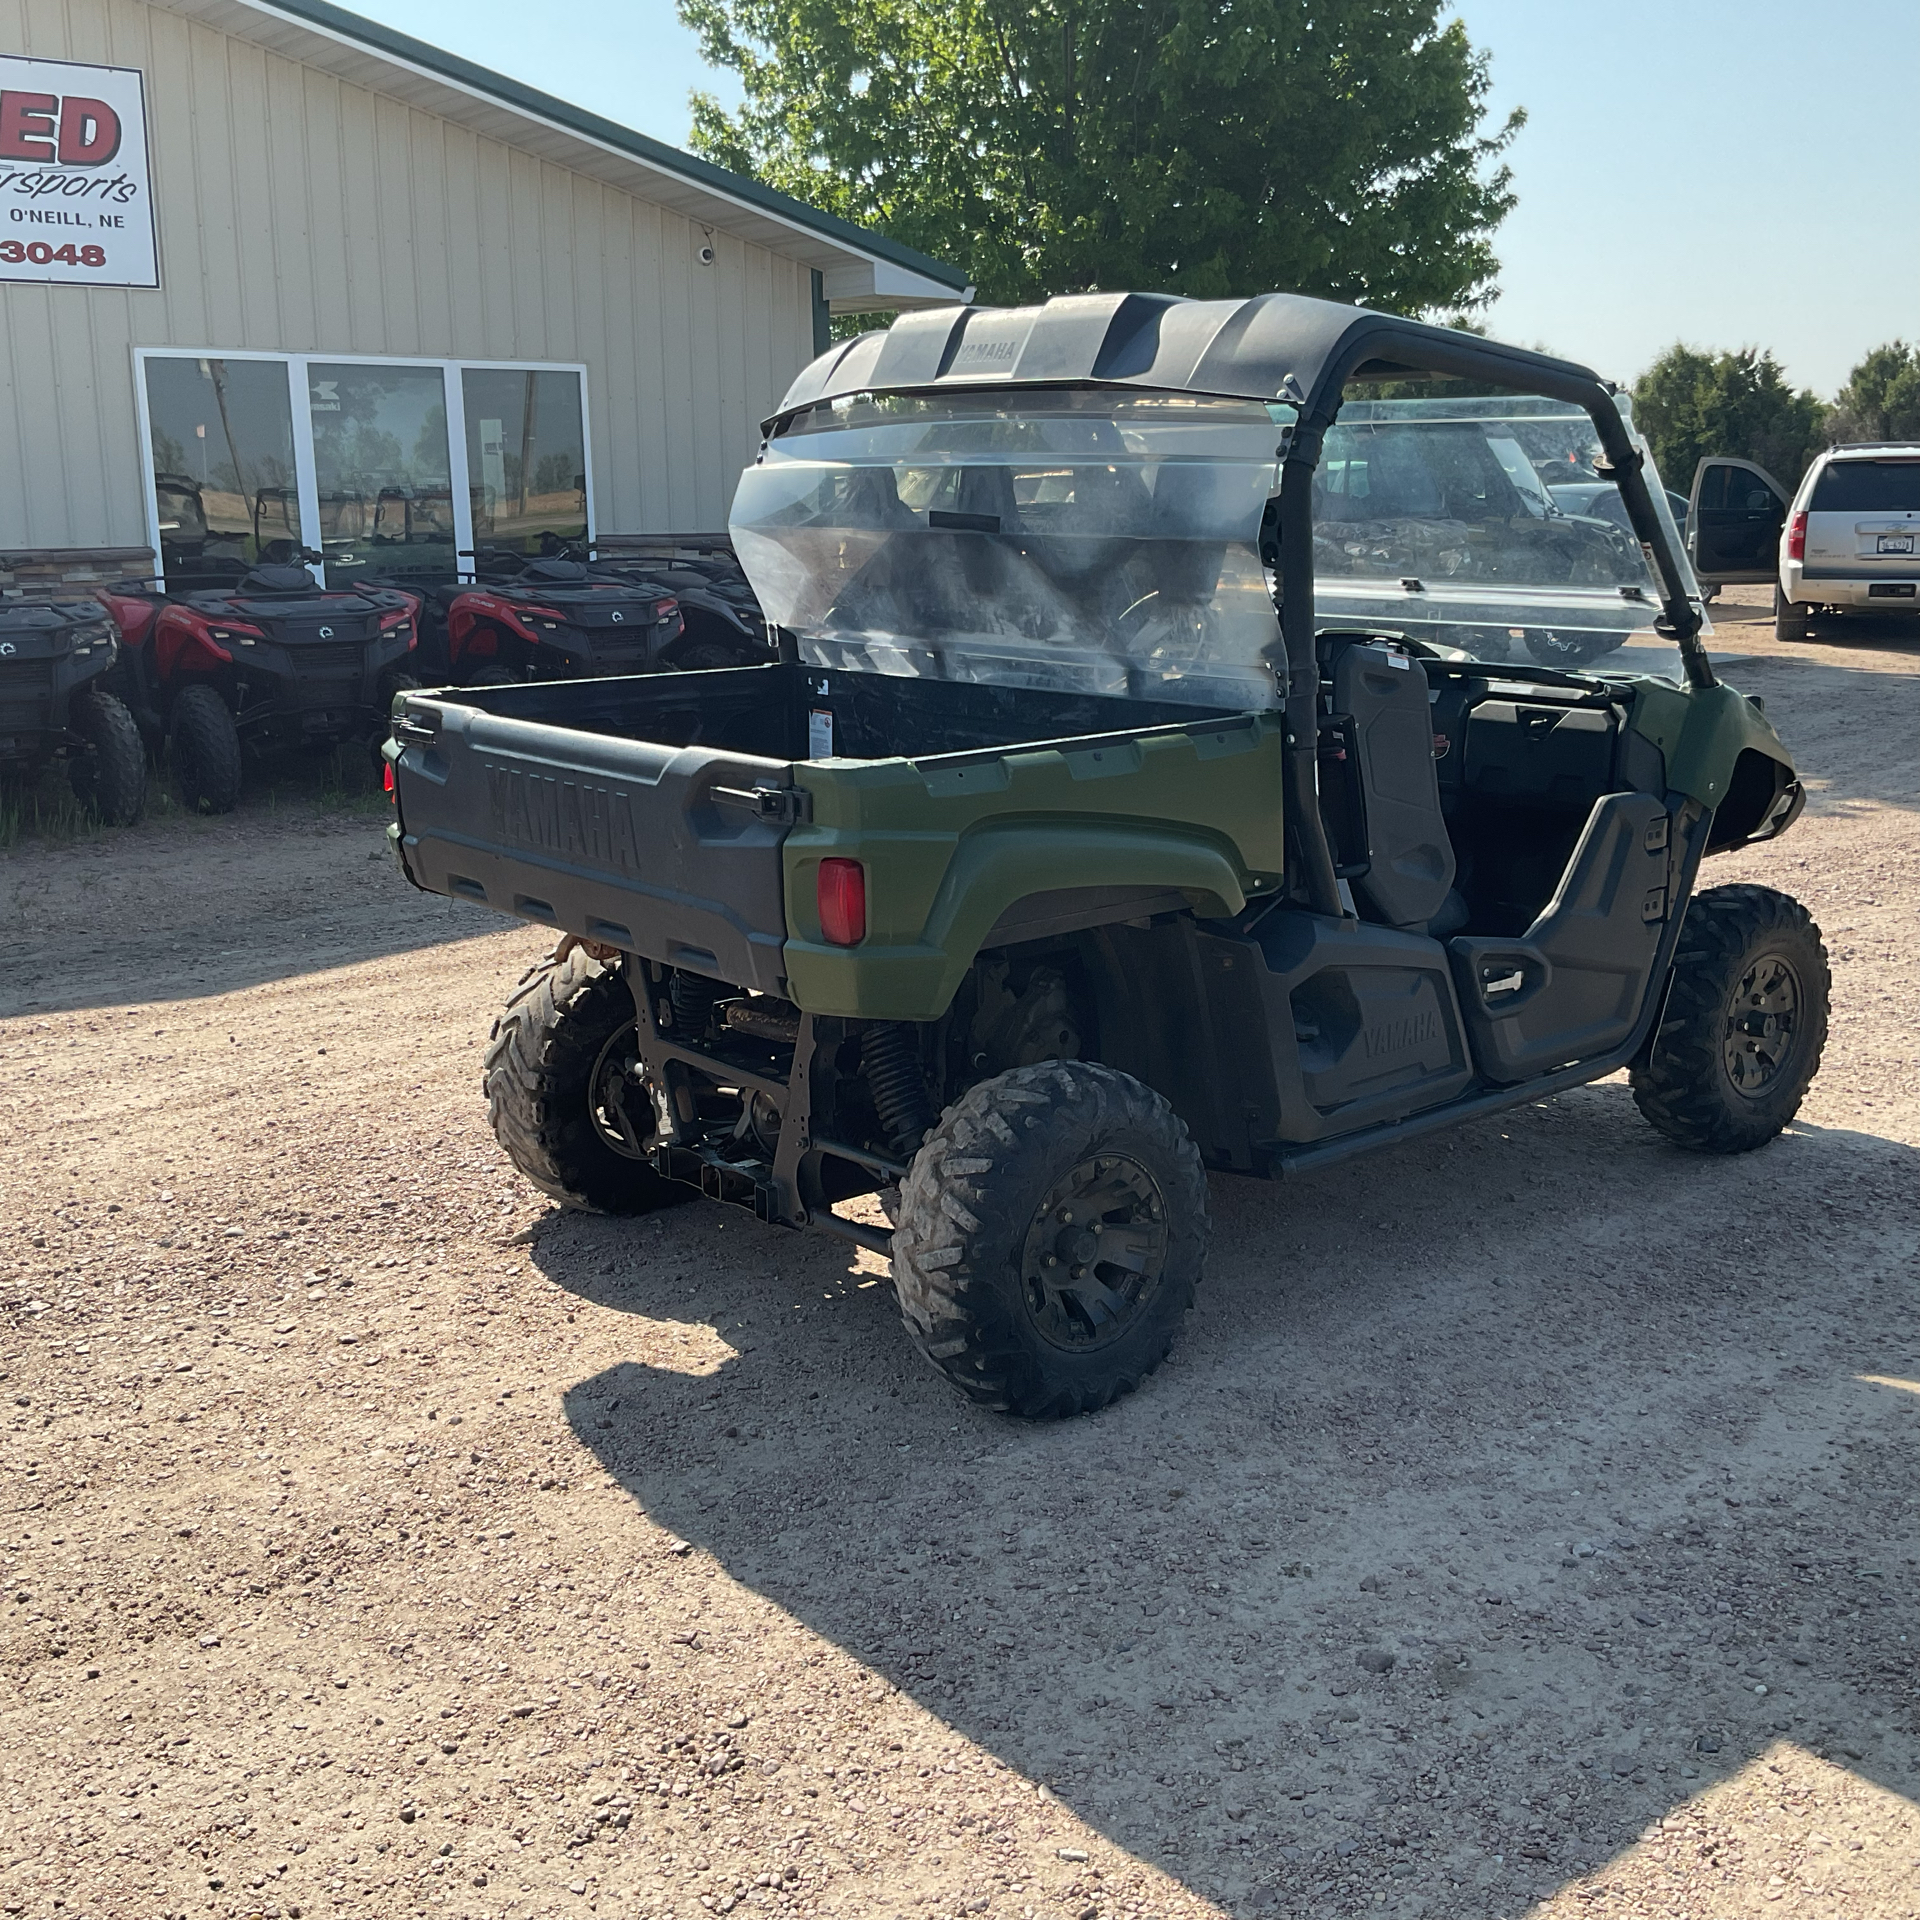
(1506, 1491)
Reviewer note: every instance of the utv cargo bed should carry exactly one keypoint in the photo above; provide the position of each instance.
(681, 817)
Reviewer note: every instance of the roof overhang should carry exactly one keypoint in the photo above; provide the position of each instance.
(1274, 346)
(860, 270)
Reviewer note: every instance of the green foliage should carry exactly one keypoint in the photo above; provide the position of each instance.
(1322, 146)
(1691, 404)
(1881, 400)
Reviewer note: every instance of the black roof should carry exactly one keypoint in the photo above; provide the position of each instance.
(1274, 346)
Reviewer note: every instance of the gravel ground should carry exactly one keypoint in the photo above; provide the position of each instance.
(1526, 1523)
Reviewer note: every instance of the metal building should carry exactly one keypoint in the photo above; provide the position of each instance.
(273, 273)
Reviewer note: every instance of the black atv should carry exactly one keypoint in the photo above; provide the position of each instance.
(274, 660)
(53, 659)
(725, 626)
(544, 617)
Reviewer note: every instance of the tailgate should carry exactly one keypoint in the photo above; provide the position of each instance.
(617, 840)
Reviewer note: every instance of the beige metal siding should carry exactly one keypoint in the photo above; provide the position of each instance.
(302, 215)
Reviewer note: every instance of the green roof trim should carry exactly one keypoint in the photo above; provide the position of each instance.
(529, 100)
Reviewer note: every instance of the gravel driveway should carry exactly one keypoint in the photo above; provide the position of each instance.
(1527, 1523)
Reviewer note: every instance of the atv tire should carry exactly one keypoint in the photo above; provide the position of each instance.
(203, 745)
(1741, 1035)
(1792, 620)
(1051, 1232)
(110, 773)
(547, 1085)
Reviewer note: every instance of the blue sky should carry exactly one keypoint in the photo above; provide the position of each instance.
(1727, 172)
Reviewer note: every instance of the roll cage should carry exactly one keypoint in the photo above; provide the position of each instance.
(1273, 347)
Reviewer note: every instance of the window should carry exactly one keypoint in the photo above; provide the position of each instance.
(382, 477)
(221, 440)
(1868, 486)
(526, 458)
(1100, 542)
(1730, 489)
(254, 457)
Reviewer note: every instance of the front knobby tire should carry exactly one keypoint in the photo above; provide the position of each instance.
(1051, 1233)
(203, 746)
(110, 773)
(1744, 1025)
(563, 1095)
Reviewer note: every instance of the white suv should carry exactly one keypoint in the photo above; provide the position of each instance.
(1852, 532)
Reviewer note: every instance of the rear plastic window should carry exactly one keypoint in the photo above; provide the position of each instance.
(1868, 486)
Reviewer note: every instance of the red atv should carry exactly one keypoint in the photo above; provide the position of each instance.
(273, 661)
(546, 618)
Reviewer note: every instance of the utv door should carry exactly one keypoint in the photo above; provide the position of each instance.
(1734, 519)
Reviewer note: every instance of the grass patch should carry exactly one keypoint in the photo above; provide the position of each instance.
(48, 811)
(341, 781)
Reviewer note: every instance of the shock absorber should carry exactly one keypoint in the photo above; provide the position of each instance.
(890, 1058)
(692, 995)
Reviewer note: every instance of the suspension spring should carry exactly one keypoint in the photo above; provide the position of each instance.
(692, 995)
(890, 1058)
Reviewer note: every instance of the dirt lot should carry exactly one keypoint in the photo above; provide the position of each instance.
(1527, 1522)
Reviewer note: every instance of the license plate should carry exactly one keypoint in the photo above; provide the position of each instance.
(1894, 543)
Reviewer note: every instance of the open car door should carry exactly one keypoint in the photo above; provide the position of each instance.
(1734, 517)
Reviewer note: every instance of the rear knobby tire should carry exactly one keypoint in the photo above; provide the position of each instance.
(986, 1260)
(1792, 619)
(547, 1050)
(203, 746)
(109, 773)
(1740, 1038)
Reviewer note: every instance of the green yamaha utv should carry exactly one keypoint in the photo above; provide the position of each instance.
(1201, 744)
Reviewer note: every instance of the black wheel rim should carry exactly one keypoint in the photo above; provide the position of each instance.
(1094, 1253)
(618, 1102)
(1762, 1020)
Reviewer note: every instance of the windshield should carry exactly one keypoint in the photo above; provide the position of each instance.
(1085, 541)
(1481, 525)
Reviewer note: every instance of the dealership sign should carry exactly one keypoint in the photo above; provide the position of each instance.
(76, 197)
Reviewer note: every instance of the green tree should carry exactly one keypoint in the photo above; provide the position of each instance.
(1881, 400)
(1690, 404)
(1324, 146)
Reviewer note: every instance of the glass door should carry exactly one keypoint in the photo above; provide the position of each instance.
(388, 468)
(383, 472)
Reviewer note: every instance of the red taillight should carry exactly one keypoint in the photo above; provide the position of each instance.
(1797, 538)
(387, 776)
(843, 902)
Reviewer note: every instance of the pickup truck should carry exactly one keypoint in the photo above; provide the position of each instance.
(1166, 773)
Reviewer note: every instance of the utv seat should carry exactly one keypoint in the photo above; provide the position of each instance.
(1407, 872)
